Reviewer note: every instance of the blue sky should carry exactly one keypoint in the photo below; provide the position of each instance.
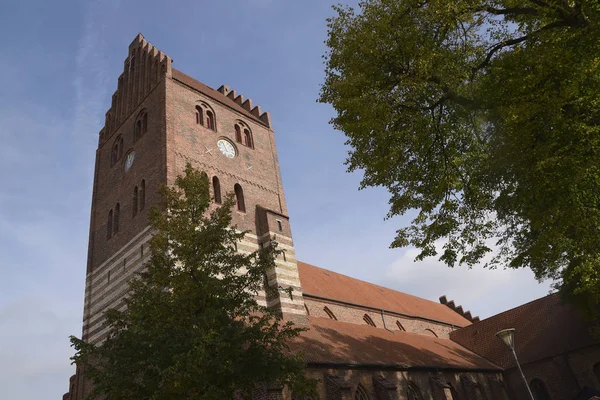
(60, 62)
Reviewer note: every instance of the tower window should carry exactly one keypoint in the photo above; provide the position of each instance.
(216, 189)
(210, 120)
(239, 197)
(142, 194)
(141, 125)
(116, 151)
(199, 115)
(247, 138)
(116, 218)
(109, 225)
(135, 201)
(238, 133)
(329, 313)
(279, 226)
(368, 320)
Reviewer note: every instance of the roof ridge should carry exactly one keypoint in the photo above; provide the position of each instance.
(519, 306)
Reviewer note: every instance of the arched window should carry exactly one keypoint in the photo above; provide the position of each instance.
(142, 194)
(429, 332)
(329, 313)
(216, 189)
(413, 392)
(478, 393)
(135, 201)
(247, 138)
(210, 120)
(117, 151)
(539, 390)
(199, 115)
(368, 320)
(360, 393)
(116, 219)
(239, 197)
(141, 125)
(399, 325)
(597, 371)
(238, 133)
(109, 225)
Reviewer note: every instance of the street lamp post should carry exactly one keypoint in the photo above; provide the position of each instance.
(508, 337)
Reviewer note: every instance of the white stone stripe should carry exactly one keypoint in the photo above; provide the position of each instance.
(116, 253)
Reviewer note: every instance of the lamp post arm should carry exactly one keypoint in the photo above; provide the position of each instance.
(522, 374)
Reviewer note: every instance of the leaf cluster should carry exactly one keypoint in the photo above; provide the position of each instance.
(482, 117)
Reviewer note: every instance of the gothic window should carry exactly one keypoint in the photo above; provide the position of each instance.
(142, 195)
(597, 371)
(329, 313)
(109, 225)
(368, 320)
(117, 151)
(205, 116)
(247, 138)
(216, 189)
(539, 390)
(239, 197)
(399, 325)
(199, 115)
(116, 218)
(238, 133)
(429, 332)
(135, 201)
(141, 125)
(361, 393)
(413, 392)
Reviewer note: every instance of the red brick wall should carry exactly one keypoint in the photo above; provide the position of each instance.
(354, 315)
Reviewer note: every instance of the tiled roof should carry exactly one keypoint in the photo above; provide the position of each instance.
(333, 342)
(213, 94)
(323, 283)
(543, 328)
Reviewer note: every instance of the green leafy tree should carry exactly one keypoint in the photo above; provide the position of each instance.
(481, 117)
(192, 328)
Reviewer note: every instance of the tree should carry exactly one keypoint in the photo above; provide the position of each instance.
(192, 328)
(481, 117)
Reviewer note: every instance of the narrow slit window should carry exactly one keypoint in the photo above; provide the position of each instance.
(216, 189)
(238, 134)
(368, 320)
(239, 197)
(279, 226)
(329, 313)
(199, 115)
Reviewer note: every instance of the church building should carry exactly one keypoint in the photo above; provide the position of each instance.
(364, 341)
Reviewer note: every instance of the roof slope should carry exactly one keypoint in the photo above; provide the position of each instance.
(323, 283)
(332, 342)
(213, 94)
(543, 328)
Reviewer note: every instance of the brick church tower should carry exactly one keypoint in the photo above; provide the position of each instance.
(159, 120)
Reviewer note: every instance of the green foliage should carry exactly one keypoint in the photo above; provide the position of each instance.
(191, 328)
(482, 116)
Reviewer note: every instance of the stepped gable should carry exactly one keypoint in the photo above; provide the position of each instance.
(333, 342)
(331, 285)
(539, 332)
(226, 97)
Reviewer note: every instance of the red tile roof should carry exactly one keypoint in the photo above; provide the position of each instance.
(543, 328)
(323, 283)
(334, 342)
(213, 94)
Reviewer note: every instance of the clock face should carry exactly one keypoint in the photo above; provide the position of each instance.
(226, 147)
(129, 160)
